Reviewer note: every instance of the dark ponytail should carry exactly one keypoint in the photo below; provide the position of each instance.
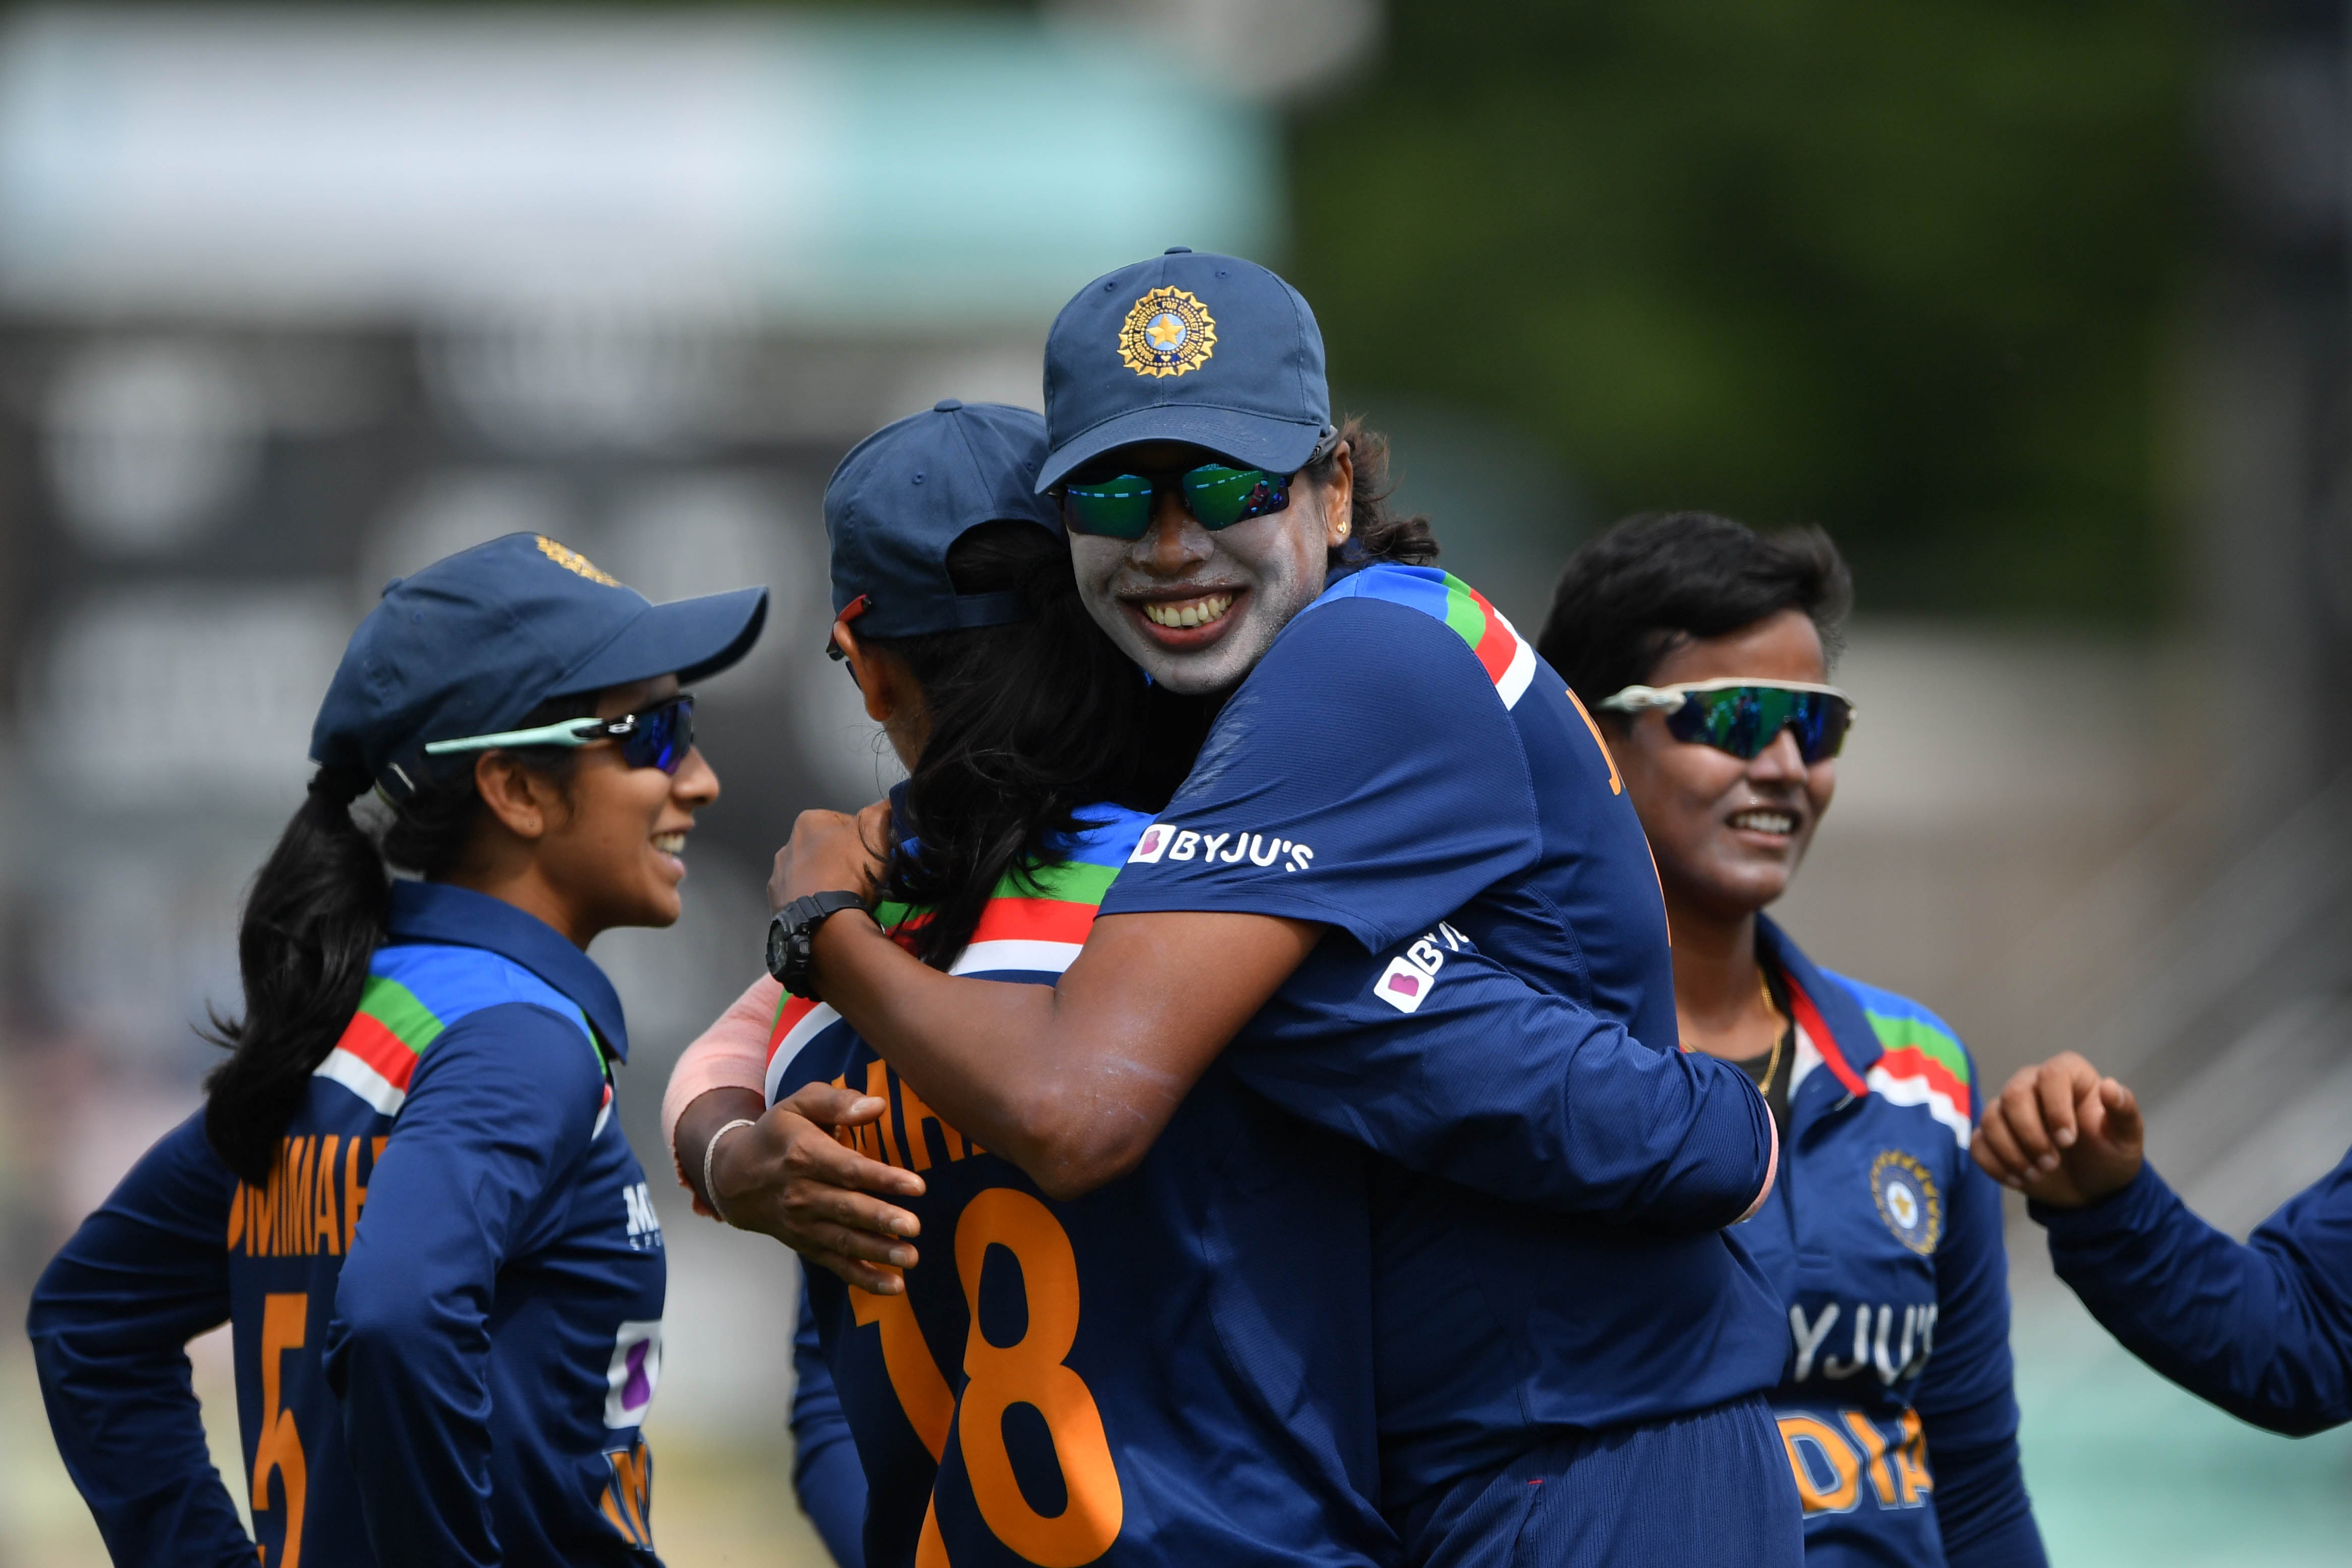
(1029, 723)
(317, 913)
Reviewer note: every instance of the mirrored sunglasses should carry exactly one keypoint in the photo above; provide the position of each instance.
(1218, 496)
(660, 737)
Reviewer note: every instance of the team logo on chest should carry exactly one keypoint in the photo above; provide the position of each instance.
(1908, 1201)
(1167, 333)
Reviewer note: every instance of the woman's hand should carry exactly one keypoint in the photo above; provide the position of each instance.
(786, 1176)
(832, 851)
(2062, 1134)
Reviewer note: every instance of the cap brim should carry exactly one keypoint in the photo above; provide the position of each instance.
(687, 637)
(1253, 440)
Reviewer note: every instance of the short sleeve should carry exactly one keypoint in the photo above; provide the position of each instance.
(1366, 774)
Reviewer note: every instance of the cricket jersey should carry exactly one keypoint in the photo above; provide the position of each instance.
(2261, 1328)
(1896, 1407)
(445, 1302)
(1400, 759)
(1238, 1253)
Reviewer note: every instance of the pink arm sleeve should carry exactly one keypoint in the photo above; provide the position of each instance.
(730, 1054)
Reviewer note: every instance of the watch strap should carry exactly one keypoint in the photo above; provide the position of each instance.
(792, 937)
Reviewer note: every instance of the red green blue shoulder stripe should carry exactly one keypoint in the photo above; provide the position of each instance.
(1507, 657)
(1921, 1060)
(414, 993)
(1912, 1057)
(1918, 1059)
(1034, 924)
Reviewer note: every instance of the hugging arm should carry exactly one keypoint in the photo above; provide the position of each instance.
(1439, 1058)
(1072, 1082)
(1489, 1082)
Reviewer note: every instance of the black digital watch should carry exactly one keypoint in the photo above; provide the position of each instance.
(792, 938)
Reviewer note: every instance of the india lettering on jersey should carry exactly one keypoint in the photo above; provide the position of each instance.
(1508, 659)
(412, 996)
(1841, 1456)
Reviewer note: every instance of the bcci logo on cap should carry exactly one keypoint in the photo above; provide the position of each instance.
(1167, 333)
(1908, 1201)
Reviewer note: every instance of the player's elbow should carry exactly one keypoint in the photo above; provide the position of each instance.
(1070, 1144)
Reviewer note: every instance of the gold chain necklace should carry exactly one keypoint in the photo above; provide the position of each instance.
(1780, 1034)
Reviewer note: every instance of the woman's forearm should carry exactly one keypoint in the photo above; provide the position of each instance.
(730, 1054)
(984, 1055)
(1071, 1082)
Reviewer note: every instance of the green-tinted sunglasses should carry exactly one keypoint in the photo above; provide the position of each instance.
(1743, 717)
(1219, 496)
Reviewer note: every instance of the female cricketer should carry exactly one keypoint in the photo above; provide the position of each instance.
(1702, 648)
(1391, 768)
(406, 1192)
(1237, 1251)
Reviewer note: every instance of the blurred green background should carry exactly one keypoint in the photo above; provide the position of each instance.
(1910, 272)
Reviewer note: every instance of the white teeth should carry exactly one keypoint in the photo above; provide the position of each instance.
(1765, 821)
(670, 843)
(1197, 612)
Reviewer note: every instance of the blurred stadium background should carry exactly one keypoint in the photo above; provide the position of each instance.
(2043, 310)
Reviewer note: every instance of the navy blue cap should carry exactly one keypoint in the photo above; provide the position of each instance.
(474, 642)
(1208, 349)
(908, 492)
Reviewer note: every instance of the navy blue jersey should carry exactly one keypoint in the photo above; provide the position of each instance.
(1884, 1238)
(2262, 1328)
(1238, 1252)
(445, 1302)
(1379, 770)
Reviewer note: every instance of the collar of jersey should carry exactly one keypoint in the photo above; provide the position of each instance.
(434, 911)
(1834, 1020)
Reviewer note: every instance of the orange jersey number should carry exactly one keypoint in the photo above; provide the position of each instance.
(284, 1320)
(1030, 1372)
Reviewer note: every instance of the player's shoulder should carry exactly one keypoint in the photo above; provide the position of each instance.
(424, 991)
(1921, 1060)
(1412, 625)
(184, 1158)
(457, 1009)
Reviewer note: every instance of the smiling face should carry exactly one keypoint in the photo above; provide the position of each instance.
(1729, 835)
(614, 857)
(1198, 609)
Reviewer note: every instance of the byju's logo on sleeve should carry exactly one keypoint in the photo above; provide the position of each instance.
(1404, 984)
(1165, 841)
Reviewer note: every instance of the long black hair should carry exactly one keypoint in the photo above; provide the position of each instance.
(1030, 723)
(1655, 580)
(317, 911)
